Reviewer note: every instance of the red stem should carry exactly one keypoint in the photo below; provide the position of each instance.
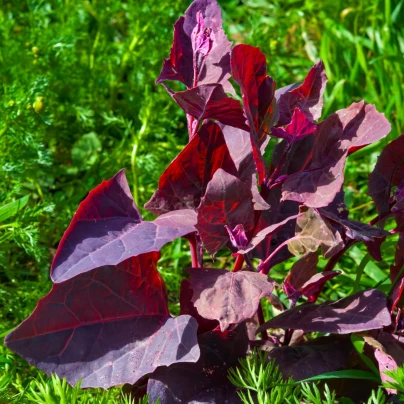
(193, 248)
(239, 263)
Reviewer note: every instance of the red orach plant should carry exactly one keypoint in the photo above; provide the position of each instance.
(106, 320)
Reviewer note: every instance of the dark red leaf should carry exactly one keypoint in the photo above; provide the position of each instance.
(207, 380)
(388, 173)
(99, 236)
(184, 182)
(210, 101)
(297, 129)
(322, 355)
(355, 126)
(308, 97)
(107, 327)
(248, 66)
(229, 297)
(360, 312)
(227, 201)
(201, 52)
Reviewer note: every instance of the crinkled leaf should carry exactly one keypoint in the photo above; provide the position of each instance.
(184, 182)
(107, 327)
(362, 311)
(107, 229)
(248, 66)
(238, 237)
(388, 173)
(312, 358)
(313, 232)
(346, 129)
(201, 51)
(308, 96)
(297, 129)
(205, 381)
(229, 297)
(210, 101)
(227, 201)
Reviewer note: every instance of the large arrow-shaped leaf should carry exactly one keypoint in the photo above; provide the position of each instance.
(107, 327)
(107, 229)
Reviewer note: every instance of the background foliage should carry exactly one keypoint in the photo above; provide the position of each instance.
(78, 102)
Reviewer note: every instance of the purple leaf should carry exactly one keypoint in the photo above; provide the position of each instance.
(184, 182)
(389, 172)
(248, 66)
(205, 381)
(315, 284)
(229, 297)
(362, 311)
(267, 231)
(201, 52)
(308, 97)
(99, 236)
(297, 129)
(301, 272)
(312, 358)
(345, 130)
(187, 308)
(210, 101)
(313, 232)
(356, 230)
(107, 327)
(227, 201)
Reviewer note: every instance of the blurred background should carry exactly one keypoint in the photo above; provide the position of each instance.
(78, 102)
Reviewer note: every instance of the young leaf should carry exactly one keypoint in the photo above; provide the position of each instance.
(107, 229)
(206, 380)
(312, 358)
(201, 52)
(227, 201)
(362, 311)
(107, 327)
(184, 182)
(229, 297)
(297, 129)
(308, 97)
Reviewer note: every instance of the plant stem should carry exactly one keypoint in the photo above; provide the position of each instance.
(239, 263)
(194, 252)
(279, 166)
(261, 320)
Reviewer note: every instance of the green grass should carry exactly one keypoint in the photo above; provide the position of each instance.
(78, 102)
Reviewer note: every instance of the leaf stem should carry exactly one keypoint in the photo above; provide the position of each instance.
(279, 166)
(194, 252)
(261, 320)
(239, 263)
